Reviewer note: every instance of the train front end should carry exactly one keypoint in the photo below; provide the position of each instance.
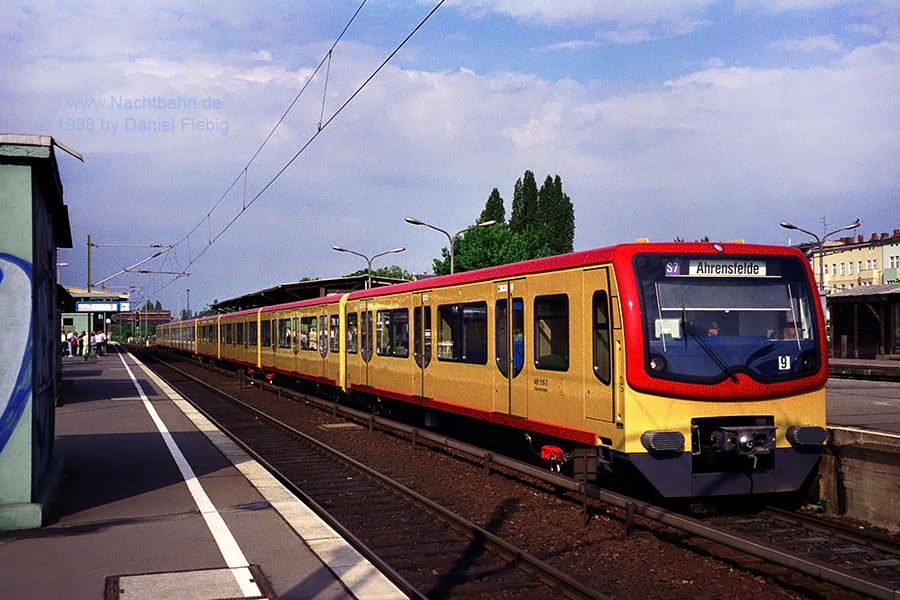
(726, 369)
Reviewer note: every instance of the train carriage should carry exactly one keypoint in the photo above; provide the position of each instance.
(697, 368)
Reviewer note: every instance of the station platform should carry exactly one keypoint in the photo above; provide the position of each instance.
(155, 503)
(858, 368)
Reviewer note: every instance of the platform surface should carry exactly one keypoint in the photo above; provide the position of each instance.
(167, 507)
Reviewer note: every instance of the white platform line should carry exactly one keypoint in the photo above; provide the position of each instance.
(358, 575)
(228, 546)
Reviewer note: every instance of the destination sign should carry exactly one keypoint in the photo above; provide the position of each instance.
(97, 307)
(727, 268)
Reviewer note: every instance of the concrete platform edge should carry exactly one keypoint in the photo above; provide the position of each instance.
(359, 576)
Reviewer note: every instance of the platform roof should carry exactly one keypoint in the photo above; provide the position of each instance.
(301, 290)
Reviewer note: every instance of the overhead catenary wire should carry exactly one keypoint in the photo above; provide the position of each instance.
(246, 205)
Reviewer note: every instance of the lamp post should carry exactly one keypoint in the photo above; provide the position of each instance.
(368, 260)
(819, 242)
(450, 238)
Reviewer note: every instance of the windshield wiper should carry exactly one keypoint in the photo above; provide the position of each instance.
(716, 358)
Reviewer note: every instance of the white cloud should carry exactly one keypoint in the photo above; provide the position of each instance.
(826, 43)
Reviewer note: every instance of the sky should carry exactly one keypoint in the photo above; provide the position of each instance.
(663, 119)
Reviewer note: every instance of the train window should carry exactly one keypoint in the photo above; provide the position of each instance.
(334, 333)
(295, 339)
(551, 332)
(265, 333)
(239, 334)
(422, 336)
(600, 337)
(501, 316)
(352, 333)
(229, 333)
(251, 333)
(366, 335)
(462, 332)
(308, 333)
(518, 338)
(392, 332)
(284, 333)
(323, 336)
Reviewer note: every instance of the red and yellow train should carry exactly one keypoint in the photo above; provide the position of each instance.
(699, 368)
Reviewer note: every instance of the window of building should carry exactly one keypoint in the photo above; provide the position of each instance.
(462, 332)
(551, 332)
(842, 268)
(352, 333)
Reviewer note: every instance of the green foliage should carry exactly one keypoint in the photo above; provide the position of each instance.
(705, 239)
(490, 247)
(525, 204)
(542, 223)
(493, 208)
(392, 271)
(556, 218)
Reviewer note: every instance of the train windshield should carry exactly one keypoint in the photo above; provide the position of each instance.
(707, 318)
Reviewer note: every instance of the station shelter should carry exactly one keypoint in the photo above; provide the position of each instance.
(865, 322)
(34, 222)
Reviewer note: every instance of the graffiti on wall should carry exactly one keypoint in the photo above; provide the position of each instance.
(15, 342)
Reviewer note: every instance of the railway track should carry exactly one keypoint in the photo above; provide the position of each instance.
(426, 549)
(850, 559)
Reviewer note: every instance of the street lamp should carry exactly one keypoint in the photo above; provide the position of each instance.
(819, 242)
(368, 260)
(59, 265)
(451, 238)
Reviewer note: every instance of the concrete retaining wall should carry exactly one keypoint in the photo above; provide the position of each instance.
(859, 475)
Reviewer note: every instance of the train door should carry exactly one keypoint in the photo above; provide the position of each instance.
(421, 341)
(366, 337)
(598, 339)
(510, 385)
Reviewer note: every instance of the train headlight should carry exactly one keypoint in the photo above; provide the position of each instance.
(662, 441)
(806, 435)
(657, 363)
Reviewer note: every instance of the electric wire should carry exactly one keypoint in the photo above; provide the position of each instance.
(312, 138)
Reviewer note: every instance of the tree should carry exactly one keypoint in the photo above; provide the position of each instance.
(524, 205)
(493, 208)
(158, 305)
(556, 217)
(392, 271)
(492, 246)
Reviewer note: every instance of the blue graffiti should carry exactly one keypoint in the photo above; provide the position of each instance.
(15, 342)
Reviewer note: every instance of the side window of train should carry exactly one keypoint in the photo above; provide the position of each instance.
(251, 333)
(422, 336)
(392, 332)
(551, 332)
(323, 336)
(334, 333)
(284, 333)
(239, 334)
(462, 332)
(229, 337)
(265, 333)
(501, 319)
(294, 335)
(601, 337)
(274, 334)
(352, 333)
(366, 335)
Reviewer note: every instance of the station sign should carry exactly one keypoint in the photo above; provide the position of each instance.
(102, 306)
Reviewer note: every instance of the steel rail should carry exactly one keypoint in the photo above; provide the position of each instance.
(546, 573)
(835, 575)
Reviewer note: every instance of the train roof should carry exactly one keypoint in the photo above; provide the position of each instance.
(620, 254)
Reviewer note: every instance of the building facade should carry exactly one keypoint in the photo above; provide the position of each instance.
(853, 262)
